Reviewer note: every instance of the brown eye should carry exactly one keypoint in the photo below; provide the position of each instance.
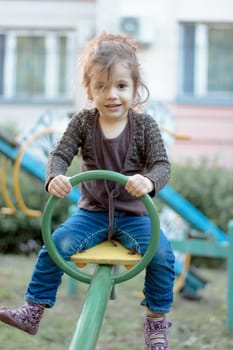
(122, 86)
(99, 86)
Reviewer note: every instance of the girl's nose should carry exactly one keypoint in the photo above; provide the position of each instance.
(111, 92)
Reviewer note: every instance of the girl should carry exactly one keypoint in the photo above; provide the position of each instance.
(110, 136)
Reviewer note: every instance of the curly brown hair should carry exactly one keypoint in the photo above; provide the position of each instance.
(108, 49)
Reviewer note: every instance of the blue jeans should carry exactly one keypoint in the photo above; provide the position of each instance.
(85, 229)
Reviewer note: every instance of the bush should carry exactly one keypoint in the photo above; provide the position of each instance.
(208, 187)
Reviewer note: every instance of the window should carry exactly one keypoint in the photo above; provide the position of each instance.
(206, 61)
(36, 66)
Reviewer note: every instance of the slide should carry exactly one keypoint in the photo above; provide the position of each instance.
(191, 214)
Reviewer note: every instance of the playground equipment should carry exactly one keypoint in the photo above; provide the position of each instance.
(211, 248)
(33, 165)
(24, 159)
(36, 144)
(103, 280)
(16, 170)
(10, 148)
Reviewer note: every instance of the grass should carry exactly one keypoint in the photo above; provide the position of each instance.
(196, 325)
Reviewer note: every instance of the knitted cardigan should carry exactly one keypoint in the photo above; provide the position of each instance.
(146, 153)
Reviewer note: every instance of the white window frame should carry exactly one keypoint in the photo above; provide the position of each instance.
(51, 67)
(200, 68)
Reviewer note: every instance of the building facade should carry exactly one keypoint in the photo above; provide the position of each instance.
(185, 47)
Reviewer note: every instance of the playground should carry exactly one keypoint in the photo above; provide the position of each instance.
(196, 325)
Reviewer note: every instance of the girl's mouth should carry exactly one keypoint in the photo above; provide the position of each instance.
(113, 106)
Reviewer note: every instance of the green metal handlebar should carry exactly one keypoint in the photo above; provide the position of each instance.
(72, 270)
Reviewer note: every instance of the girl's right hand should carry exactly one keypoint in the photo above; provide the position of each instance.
(59, 186)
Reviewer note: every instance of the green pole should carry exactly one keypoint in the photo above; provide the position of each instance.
(230, 278)
(92, 314)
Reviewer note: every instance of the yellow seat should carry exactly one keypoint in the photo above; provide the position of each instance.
(106, 253)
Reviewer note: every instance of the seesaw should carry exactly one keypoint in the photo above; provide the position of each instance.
(105, 276)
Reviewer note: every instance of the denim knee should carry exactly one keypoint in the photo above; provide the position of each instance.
(65, 244)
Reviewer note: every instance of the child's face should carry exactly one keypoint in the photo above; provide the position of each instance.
(112, 92)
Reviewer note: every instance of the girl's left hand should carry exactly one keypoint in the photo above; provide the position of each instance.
(138, 185)
(59, 186)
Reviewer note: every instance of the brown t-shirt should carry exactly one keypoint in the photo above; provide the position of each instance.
(110, 155)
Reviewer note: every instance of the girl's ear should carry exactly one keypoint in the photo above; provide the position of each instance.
(89, 95)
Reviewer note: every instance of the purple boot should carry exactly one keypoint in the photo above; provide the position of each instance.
(27, 317)
(156, 333)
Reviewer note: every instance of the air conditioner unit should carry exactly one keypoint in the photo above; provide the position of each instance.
(141, 28)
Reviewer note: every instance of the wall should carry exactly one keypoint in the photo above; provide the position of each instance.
(159, 57)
